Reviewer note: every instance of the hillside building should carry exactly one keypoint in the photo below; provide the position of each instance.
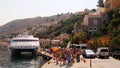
(55, 42)
(45, 42)
(64, 36)
(91, 23)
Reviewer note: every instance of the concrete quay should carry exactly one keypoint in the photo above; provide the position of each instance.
(95, 63)
(45, 55)
(53, 64)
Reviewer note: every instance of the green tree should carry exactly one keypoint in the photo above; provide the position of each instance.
(115, 22)
(115, 42)
(93, 10)
(47, 46)
(29, 28)
(80, 37)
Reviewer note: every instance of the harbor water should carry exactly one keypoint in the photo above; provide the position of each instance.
(21, 61)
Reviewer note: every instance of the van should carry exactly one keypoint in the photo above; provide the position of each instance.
(102, 52)
(73, 46)
(82, 47)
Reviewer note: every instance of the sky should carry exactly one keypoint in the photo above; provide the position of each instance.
(20, 9)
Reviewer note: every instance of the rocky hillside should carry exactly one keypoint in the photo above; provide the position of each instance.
(18, 25)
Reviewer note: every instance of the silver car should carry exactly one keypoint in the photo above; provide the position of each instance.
(88, 53)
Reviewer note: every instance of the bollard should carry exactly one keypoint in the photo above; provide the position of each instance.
(90, 63)
(84, 60)
(48, 62)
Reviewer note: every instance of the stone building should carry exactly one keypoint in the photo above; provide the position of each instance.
(45, 42)
(64, 36)
(91, 23)
(55, 42)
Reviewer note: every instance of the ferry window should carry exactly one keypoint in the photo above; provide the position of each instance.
(14, 40)
(33, 40)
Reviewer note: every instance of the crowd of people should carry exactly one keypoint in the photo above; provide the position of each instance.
(66, 56)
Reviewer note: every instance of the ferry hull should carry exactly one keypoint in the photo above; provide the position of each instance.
(17, 52)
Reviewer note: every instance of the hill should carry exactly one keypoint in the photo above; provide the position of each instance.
(20, 24)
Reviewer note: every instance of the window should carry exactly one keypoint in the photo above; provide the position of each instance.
(90, 28)
(95, 29)
(104, 21)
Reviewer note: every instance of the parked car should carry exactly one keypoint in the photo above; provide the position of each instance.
(88, 53)
(102, 52)
(116, 53)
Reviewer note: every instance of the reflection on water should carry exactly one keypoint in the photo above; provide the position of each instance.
(21, 61)
(26, 61)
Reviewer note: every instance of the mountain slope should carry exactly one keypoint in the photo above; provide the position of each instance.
(20, 24)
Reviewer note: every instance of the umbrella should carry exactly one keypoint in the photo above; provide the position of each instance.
(55, 49)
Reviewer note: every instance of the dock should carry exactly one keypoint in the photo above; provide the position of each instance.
(52, 63)
(45, 55)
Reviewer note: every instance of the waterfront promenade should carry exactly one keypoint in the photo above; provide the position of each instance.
(96, 63)
(52, 64)
(84, 63)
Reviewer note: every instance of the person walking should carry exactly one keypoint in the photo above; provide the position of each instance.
(78, 56)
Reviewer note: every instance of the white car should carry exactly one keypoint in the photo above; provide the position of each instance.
(88, 53)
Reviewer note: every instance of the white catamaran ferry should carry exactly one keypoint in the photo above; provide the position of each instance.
(24, 43)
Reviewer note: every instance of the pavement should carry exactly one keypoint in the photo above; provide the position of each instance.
(95, 63)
